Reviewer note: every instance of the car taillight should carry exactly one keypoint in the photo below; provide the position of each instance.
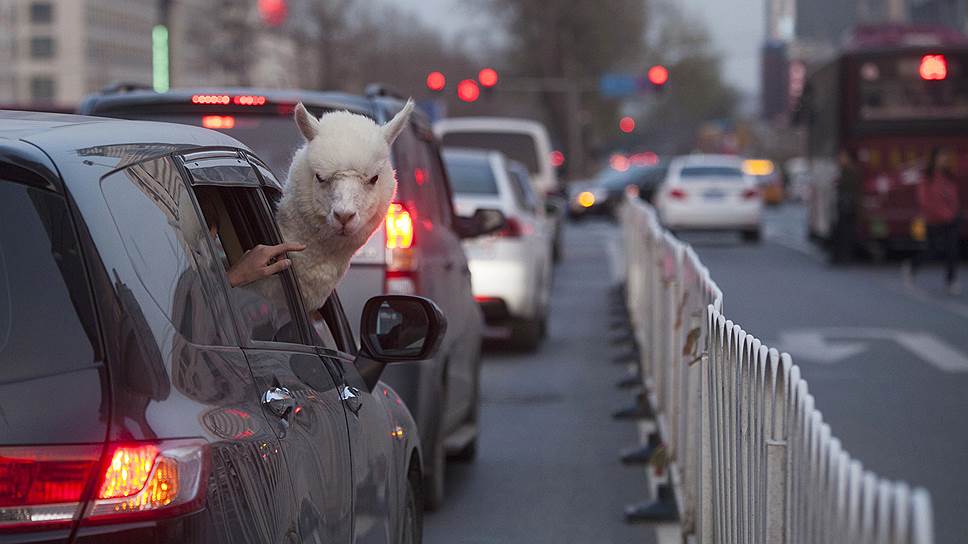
(399, 227)
(44, 487)
(677, 194)
(750, 194)
(514, 228)
(401, 260)
(149, 479)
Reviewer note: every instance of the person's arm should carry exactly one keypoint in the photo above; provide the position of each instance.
(260, 262)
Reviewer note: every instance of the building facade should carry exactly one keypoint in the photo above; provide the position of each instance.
(54, 52)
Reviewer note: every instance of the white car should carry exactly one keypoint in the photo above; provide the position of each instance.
(521, 140)
(510, 270)
(710, 192)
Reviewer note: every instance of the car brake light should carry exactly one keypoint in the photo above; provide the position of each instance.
(749, 194)
(210, 99)
(399, 227)
(166, 477)
(677, 194)
(43, 486)
(218, 121)
(249, 100)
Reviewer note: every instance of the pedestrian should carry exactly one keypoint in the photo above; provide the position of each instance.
(940, 212)
(848, 198)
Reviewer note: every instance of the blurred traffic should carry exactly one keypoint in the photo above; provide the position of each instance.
(146, 146)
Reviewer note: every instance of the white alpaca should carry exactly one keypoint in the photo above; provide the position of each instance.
(339, 187)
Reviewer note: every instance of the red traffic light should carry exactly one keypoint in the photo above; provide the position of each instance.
(488, 77)
(658, 75)
(273, 12)
(626, 124)
(436, 81)
(933, 68)
(468, 91)
(557, 158)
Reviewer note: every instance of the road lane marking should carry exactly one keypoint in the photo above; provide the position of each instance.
(820, 345)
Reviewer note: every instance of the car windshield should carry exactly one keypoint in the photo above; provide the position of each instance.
(272, 137)
(725, 173)
(471, 176)
(515, 145)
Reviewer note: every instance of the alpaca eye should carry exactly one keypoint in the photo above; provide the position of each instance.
(373, 180)
(320, 178)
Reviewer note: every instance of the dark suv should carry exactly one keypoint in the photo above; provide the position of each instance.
(143, 398)
(420, 254)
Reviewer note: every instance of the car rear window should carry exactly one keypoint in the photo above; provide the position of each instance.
(720, 172)
(47, 323)
(471, 177)
(274, 138)
(515, 145)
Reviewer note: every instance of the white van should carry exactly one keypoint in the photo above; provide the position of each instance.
(520, 140)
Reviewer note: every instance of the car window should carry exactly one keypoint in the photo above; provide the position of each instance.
(692, 172)
(47, 323)
(236, 222)
(471, 176)
(516, 146)
(437, 181)
(159, 227)
(523, 193)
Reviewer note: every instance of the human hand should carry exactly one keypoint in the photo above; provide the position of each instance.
(261, 262)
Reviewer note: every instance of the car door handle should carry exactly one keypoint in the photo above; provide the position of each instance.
(352, 398)
(279, 402)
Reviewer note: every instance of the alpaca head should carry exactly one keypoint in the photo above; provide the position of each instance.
(341, 181)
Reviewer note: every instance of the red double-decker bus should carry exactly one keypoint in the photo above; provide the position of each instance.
(890, 96)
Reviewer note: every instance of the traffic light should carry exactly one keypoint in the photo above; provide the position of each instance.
(273, 12)
(468, 91)
(488, 78)
(658, 76)
(626, 124)
(436, 81)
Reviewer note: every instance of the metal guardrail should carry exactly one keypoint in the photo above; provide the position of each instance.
(748, 454)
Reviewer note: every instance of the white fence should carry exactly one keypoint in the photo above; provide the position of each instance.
(750, 457)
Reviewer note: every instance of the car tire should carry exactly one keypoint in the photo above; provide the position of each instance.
(411, 528)
(751, 236)
(526, 334)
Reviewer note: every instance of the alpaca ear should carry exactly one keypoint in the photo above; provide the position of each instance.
(394, 127)
(307, 123)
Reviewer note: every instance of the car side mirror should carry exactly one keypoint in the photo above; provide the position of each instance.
(484, 221)
(398, 328)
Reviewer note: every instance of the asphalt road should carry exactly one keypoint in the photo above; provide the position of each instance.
(887, 364)
(547, 468)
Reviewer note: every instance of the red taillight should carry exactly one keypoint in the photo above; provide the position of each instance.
(150, 479)
(750, 194)
(249, 100)
(41, 486)
(677, 194)
(45, 486)
(933, 68)
(514, 228)
(210, 99)
(399, 227)
(218, 121)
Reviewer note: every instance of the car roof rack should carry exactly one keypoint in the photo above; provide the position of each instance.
(374, 90)
(125, 87)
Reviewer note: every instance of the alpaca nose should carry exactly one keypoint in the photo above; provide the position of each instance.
(344, 217)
